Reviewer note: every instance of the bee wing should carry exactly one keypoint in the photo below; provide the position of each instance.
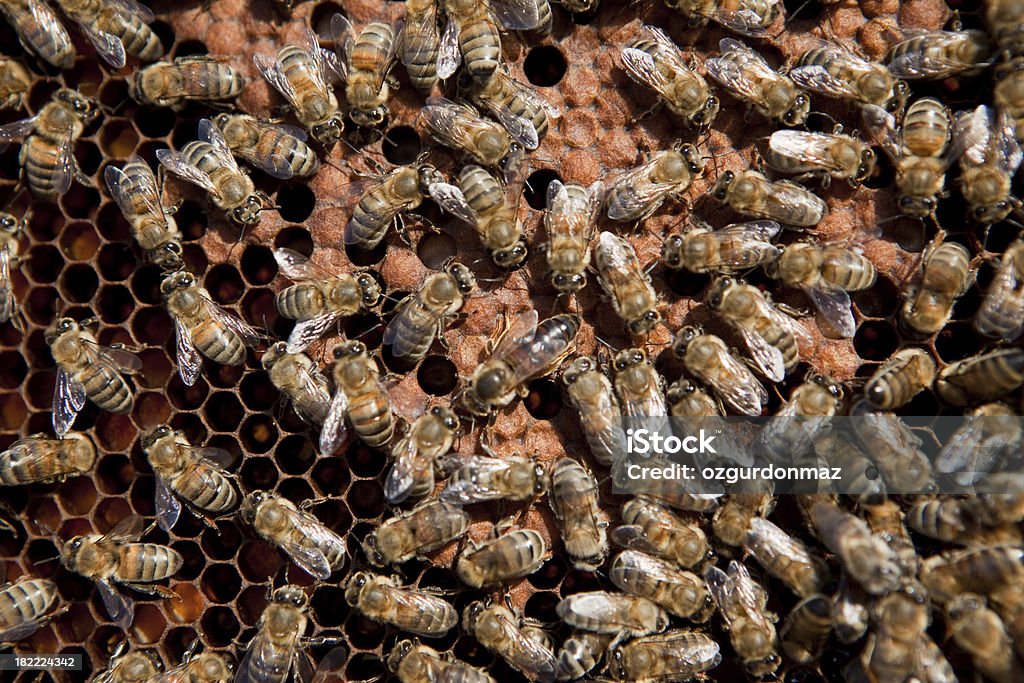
(216, 457)
(737, 386)
(168, 507)
(246, 332)
(264, 656)
(130, 8)
(271, 70)
(7, 301)
(744, 21)
(632, 537)
(190, 363)
(313, 529)
(177, 164)
(768, 358)
(209, 132)
(472, 488)
(808, 148)
(1010, 154)
(322, 62)
(519, 128)
(450, 198)
(308, 385)
(10, 132)
(19, 631)
(123, 360)
(834, 305)
(881, 127)
(128, 530)
(402, 476)
(641, 198)
(308, 331)
(643, 68)
(40, 459)
(334, 431)
(45, 21)
(416, 46)
(521, 331)
(516, 15)
(452, 124)
(344, 37)
(297, 266)
(68, 399)
(616, 259)
(108, 46)
(449, 56)
(734, 241)
(118, 605)
(982, 136)
(415, 603)
(525, 653)
(64, 165)
(773, 542)
(935, 62)
(126, 191)
(817, 78)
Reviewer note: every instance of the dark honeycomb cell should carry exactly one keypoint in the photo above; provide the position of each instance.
(259, 306)
(259, 561)
(875, 340)
(191, 219)
(193, 556)
(437, 375)
(43, 514)
(114, 474)
(549, 576)
(330, 477)
(80, 201)
(366, 327)
(143, 496)
(436, 249)
(40, 390)
(544, 65)
(118, 138)
(41, 554)
(296, 202)
(541, 606)
(366, 667)
(115, 304)
(536, 189)
(258, 433)
(79, 241)
(223, 411)
(224, 284)
(222, 376)
(12, 369)
(544, 400)
(220, 626)
(295, 238)
(366, 257)
(45, 264)
(258, 264)
(151, 410)
(879, 301)
(223, 542)
(957, 341)
(364, 461)
(221, 583)
(116, 432)
(177, 642)
(112, 224)
(320, 20)
(295, 454)
(296, 490)
(258, 474)
(364, 633)
(401, 145)
(190, 425)
(366, 498)
(146, 284)
(78, 283)
(116, 262)
(149, 623)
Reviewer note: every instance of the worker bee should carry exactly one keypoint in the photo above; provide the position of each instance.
(417, 453)
(821, 155)
(360, 397)
(677, 591)
(736, 247)
(363, 63)
(810, 405)
(590, 391)
(626, 283)
(296, 376)
(833, 70)
(979, 631)
(885, 517)
(637, 193)
(986, 438)
(658, 63)
(976, 570)
(747, 17)
(319, 298)
(118, 557)
(421, 316)
(748, 76)
(208, 667)
(491, 210)
(580, 654)
(981, 378)
(509, 555)
(573, 500)
(866, 557)
(412, 662)
(522, 111)
(1005, 18)
(47, 154)
(25, 605)
(195, 78)
(15, 81)
(850, 611)
(461, 128)
(427, 527)
(786, 558)
(570, 219)
(640, 388)
(1001, 313)
(472, 34)
(708, 358)
(826, 273)
(610, 613)
(478, 479)
(940, 54)
(194, 475)
(893, 448)
(39, 459)
(319, 551)
(526, 350)
(686, 399)
(497, 628)
(202, 327)
(750, 193)
(741, 600)
(945, 274)
(900, 378)
(209, 164)
(87, 370)
(39, 31)
(419, 44)
(733, 519)
(300, 74)
(131, 666)
(900, 647)
(276, 149)
(944, 519)
(804, 633)
(137, 194)
(772, 337)
(991, 156)
(1008, 95)
(672, 656)
(382, 599)
(115, 27)
(649, 527)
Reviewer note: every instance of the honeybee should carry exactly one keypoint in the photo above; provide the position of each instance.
(900, 378)
(772, 337)
(87, 370)
(736, 247)
(893, 449)
(118, 557)
(885, 517)
(359, 396)
(804, 633)
(300, 74)
(319, 551)
(1008, 95)
(509, 555)
(421, 316)
(833, 70)
(47, 154)
(276, 149)
(989, 435)
(991, 156)
(491, 210)
(786, 558)
(570, 221)
(741, 600)
(826, 273)
(382, 599)
(850, 611)
(580, 654)
(461, 128)
(732, 520)
(748, 77)
(590, 391)
(417, 453)
(658, 63)
(1005, 18)
(15, 81)
(868, 559)
(708, 358)
(686, 399)
(478, 479)
(522, 111)
(207, 667)
(640, 388)
(500, 631)
(1008, 601)
(747, 17)
(809, 406)
(626, 283)
(195, 78)
(900, 647)
(130, 667)
(651, 528)
(202, 327)
(419, 45)
(940, 54)
(526, 350)
(194, 475)
(945, 274)
(980, 632)
(976, 570)
(822, 155)
(673, 656)
(209, 164)
(677, 591)
(983, 377)
(25, 605)
(750, 193)
(427, 527)
(115, 28)
(412, 662)
(573, 500)
(472, 34)
(39, 31)
(610, 613)
(39, 459)
(1001, 313)
(363, 63)
(637, 193)
(944, 519)
(137, 194)
(296, 376)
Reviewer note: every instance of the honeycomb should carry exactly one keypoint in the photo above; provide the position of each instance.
(84, 263)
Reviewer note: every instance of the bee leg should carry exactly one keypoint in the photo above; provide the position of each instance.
(155, 591)
(645, 114)
(400, 228)
(80, 176)
(313, 502)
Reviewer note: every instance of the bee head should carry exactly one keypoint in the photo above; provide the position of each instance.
(509, 259)
(251, 503)
(350, 348)
(680, 389)
(154, 435)
(464, 278)
(447, 417)
(716, 293)
(682, 342)
(578, 367)
(491, 384)
(61, 327)
(398, 653)
(628, 358)
(645, 323)
(179, 279)
(797, 114)
(369, 118)
(273, 354)
(721, 187)
(74, 99)
(370, 289)
(370, 549)
(568, 284)
(917, 207)
(328, 132)
(900, 93)
(290, 595)
(671, 251)
(355, 585)
(706, 114)
(222, 120)
(427, 176)
(69, 553)
(995, 212)
(250, 212)
(471, 615)
(867, 165)
(167, 256)
(9, 224)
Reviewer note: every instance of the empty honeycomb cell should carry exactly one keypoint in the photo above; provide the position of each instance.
(149, 623)
(13, 369)
(1000, 236)
(110, 512)
(295, 238)
(878, 301)
(223, 411)
(259, 306)
(186, 397)
(363, 633)
(544, 400)
(223, 376)
(257, 391)
(13, 411)
(536, 189)
(223, 542)
(363, 258)
(113, 93)
(106, 639)
(156, 369)
(142, 496)
(436, 249)
(224, 283)
(45, 264)
(295, 454)
(325, 602)
(470, 651)
(296, 202)
(116, 262)
(910, 235)
(40, 94)
(111, 223)
(957, 341)
(221, 583)
(258, 474)
(368, 667)
(258, 264)
(191, 218)
(80, 201)
(364, 461)
(78, 283)
(401, 145)
(541, 606)
(40, 304)
(189, 526)
(151, 409)
(258, 433)
(118, 138)
(78, 625)
(152, 326)
(190, 425)
(579, 582)
(330, 476)
(114, 474)
(41, 555)
(550, 575)
(366, 499)
(110, 334)
(76, 526)
(116, 432)
(544, 65)
(79, 241)
(296, 490)
(44, 640)
(366, 327)
(437, 375)
(43, 514)
(193, 556)
(145, 284)
(115, 304)
(875, 340)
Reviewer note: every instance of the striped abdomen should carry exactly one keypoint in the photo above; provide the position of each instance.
(136, 36)
(301, 301)
(145, 562)
(274, 142)
(483, 193)
(927, 128)
(40, 160)
(314, 104)
(413, 330)
(376, 209)
(334, 552)
(481, 45)
(105, 387)
(421, 43)
(372, 48)
(206, 488)
(47, 38)
(25, 463)
(218, 342)
(780, 338)
(205, 78)
(25, 601)
(371, 418)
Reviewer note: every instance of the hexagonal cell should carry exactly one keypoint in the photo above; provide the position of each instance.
(436, 249)
(185, 397)
(156, 369)
(544, 400)
(115, 432)
(189, 608)
(79, 241)
(143, 496)
(222, 376)
(13, 411)
(177, 641)
(221, 583)
(437, 376)
(190, 425)
(39, 554)
(43, 514)
(45, 264)
(13, 369)
(330, 477)
(258, 264)
(114, 474)
(223, 411)
(152, 326)
(191, 219)
(112, 224)
(364, 633)
(875, 340)
(258, 433)
(118, 138)
(109, 513)
(401, 145)
(80, 201)
(257, 392)
(251, 603)
(258, 474)
(78, 283)
(366, 327)
(223, 542)
(296, 202)
(364, 461)
(224, 283)
(151, 409)
(115, 304)
(366, 499)
(259, 561)
(116, 262)
(535, 191)
(259, 306)
(149, 623)
(77, 625)
(295, 455)
(544, 65)
(295, 238)
(194, 560)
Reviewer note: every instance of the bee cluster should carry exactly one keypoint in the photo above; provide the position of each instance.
(393, 507)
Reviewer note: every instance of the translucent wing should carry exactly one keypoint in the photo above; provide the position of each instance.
(109, 47)
(296, 266)
(618, 266)
(123, 360)
(344, 37)
(737, 386)
(745, 21)
(449, 57)
(744, 245)
(632, 536)
(246, 332)
(334, 431)
(312, 559)
(818, 79)
(45, 21)
(190, 363)
(271, 70)
(307, 385)
(64, 165)
(19, 631)
(784, 201)
(262, 661)
(420, 37)
(308, 331)
(638, 194)
(745, 71)
(318, 61)
(216, 457)
(68, 399)
(453, 125)
(1003, 301)
(128, 530)
(411, 605)
(811, 149)
(938, 61)
(472, 483)
(40, 459)
(11, 132)
(521, 331)
(7, 302)
(176, 164)
(450, 198)
(168, 507)
(881, 126)
(118, 606)
(516, 15)
(128, 192)
(402, 476)
(648, 70)
(525, 653)
(209, 132)
(747, 594)
(133, 9)
(834, 305)
(519, 128)
(642, 67)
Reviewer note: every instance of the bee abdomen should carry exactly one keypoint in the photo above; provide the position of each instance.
(372, 420)
(211, 80)
(208, 490)
(137, 37)
(300, 301)
(218, 343)
(370, 219)
(40, 161)
(25, 601)
(373, 45)
(149, 562)
(414, 330)
(52, 43)
(106, 389)
(481, 48)
(301, 159)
